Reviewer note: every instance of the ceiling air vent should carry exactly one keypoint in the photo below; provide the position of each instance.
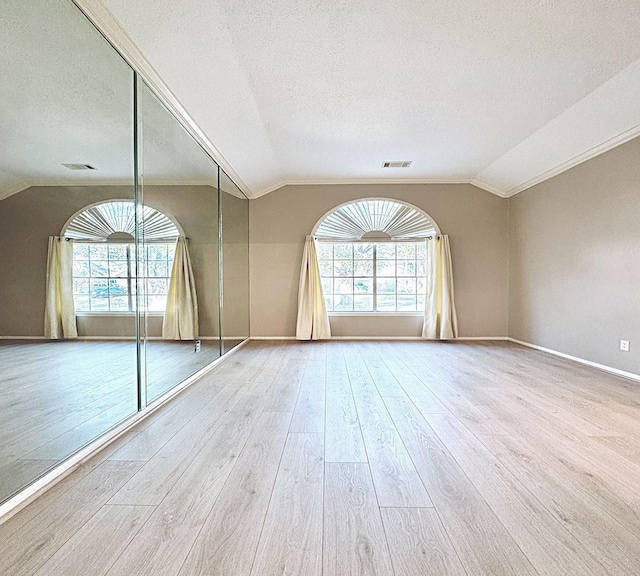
(79, 166)
(401, 164)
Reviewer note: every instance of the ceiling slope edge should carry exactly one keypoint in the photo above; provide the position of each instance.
(375, 181)
(604, 119)
(108, 26)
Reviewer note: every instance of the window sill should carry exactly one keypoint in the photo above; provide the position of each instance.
(375, 314)
(132, 314)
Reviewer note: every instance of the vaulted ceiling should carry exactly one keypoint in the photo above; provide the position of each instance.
(500, 93)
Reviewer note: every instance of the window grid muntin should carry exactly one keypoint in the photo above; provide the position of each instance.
(419, 264)
(111, 280)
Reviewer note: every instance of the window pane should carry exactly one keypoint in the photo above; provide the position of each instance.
(343, 286)
(343, 268)
(99, 268)
(98, 252)
(99, 304)
(99, 288)
(343, 251)
(363, 285)
(328, 300)
(80, 251)
(406, 267)
(326, 267)
(156, 251)
(118, 269)
(363, 267)
(406, 251)
(421, 250)
(406, 285)
(386, 268)
(325, 251)
(343, 303)
(119, 304)
(327, 286)
(421, 268)
(363, 251)
(386, 285)
(406, 303)
(157, 286)
(117, 252)
(158, 268)
(385, 250)
(81, 269)
(420, 285)
(421, 300)
(81, 303)
(386, 303)
(363, 303)
(118, 287)
(80, 286)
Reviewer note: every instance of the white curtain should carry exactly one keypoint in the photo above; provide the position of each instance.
(440, 321)
(313, 321)
(59, 310)
(181, 314)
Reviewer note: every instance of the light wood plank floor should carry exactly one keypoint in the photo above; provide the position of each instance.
(358, 459)
(57, 396)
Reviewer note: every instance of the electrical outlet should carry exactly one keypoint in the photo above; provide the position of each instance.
(624, 345)
(197, 346)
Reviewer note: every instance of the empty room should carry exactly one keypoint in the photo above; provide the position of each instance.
(334, 288)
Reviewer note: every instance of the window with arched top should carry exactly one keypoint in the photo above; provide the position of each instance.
(372, 256)
(105, 263)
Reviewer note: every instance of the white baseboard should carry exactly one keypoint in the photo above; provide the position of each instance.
(502, 338)
(31, 492)
(603, 367)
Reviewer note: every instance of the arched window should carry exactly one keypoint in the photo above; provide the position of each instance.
(372, 256)
(105, 263)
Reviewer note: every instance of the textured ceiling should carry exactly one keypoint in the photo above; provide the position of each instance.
(498, 92)
(501, 94)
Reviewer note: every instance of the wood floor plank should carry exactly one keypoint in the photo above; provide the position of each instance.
(343, 436)
(419, 544)
(354, 539)
(394, 475)
(35, 542)
(550, 547)
(163, 543)
(227, 543)
(483, 544)
(291, 540)
(97, 545)
(308, 415)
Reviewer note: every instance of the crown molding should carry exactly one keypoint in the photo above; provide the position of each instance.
(377, 181)
(109, 27)
(610, 144)
(14, 189)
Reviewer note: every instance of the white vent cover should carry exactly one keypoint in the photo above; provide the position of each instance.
(352, 221)
(99, 222)
(397, 164)
(79, 166)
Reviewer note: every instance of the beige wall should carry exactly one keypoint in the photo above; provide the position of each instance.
(575, 260)
(475, 220)
(28, 218)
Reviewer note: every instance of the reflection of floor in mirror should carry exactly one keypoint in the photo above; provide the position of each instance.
(56, 396)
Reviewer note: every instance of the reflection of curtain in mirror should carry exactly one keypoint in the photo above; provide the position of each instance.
(59, 311)
(313, 321)
(440, 320)
(181, 314)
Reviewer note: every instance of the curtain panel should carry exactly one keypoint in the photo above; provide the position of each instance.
(313, 321)
(440, 319)
(59, 309)
(180, 320)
